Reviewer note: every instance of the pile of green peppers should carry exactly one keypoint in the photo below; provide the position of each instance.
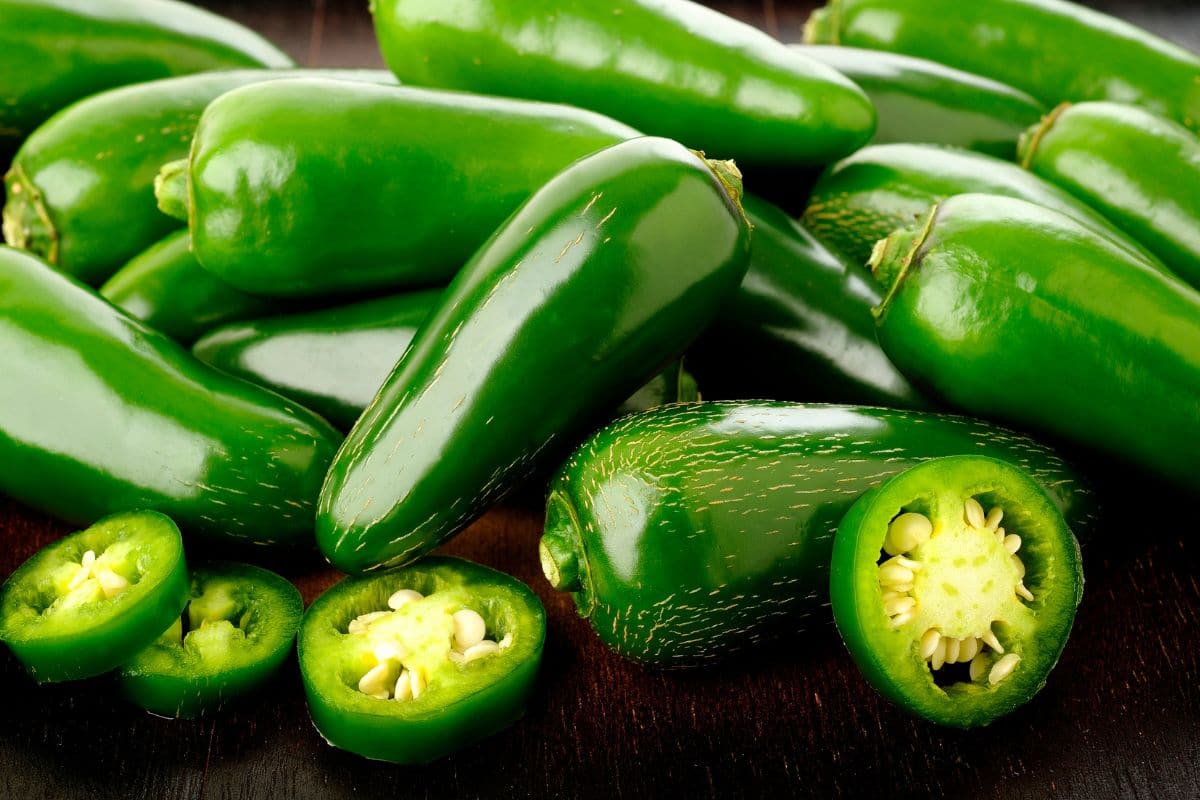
(288, 313)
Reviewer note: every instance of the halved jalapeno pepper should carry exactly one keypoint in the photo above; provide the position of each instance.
(954, 586)
(410, 665)
(87, 603)
(240, 623)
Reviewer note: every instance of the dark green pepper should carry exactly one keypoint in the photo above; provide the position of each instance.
(689, 532)
(1052, 49)
(865, 197)
(99, 413)
(411, 665)
(954, 586)
(923, 101)
(421, 179)
(799, 327)
(1015, 312)
(53, 53)
(667, 67)
(1138, 169)
(85, 604)
(167, 289)
(334, 360)
(81, 188)
(241, 622)
(602, 277)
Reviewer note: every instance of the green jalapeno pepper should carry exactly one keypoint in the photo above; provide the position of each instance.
(334, 360)
(85, 604)
(1015, 312)
(603, 276)
(80, 191)
(411, 665)
(421, 178)
(667, 67)
(241, 622)
(689, 532)
(954, 586)
(54, 52)
(99, 413)
(1052, 49)
(799, 327)
(168, 290)
(923, 101)
(865, 197)
(1138, 169)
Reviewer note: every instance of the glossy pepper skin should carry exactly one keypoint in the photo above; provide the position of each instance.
(166, 288)
(922, 101)
(690, 532)
(1138, 169)
(241, 622)
(997, 304)
(865, 197)
(53, 52)
(99, 413)
(799, 326)
(602, 277)
(334, 360)
(63, 616)
(81, 188)
(1052, 49)
(667, 67)
(421, 178)
(461, 704)
(968, 583)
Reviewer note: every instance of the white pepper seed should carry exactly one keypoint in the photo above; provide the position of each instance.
(1024, 593)
(403, 686)
(973, 513)
(993, 518)
(952, 647)
(939, 655)
(903, 617)
(929, 643)
(403, 597)
(1003, 668)
(906, 532)
(991, 641)
(968, 649)
(1012, 543)
(894, 573)
(898, 605)
(469, 628)
(484, 648)
(978, 667)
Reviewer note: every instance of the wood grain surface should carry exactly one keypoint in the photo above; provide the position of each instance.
(1120, 716)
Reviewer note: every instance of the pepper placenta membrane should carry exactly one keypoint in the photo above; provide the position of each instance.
(601, 278)
(1018, 313)
(235, 632)
(954, 586)
(413, 664)
(85, 604)
(689, 532)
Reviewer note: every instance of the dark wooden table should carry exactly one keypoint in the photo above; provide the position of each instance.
(1119, 718)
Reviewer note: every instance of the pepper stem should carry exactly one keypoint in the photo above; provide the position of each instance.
(26, 222)
(170, 187)
(1028, 143)
(730, 176)
(822, 25)
(558, 548)
(892, 258)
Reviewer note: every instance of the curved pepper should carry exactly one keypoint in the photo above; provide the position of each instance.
(667, 67)
(954, 586)
(348, 186)
(691, 532)
(99, 413)
(604, 275)
(1138, 169)
(1052, 49)
(1015, 312)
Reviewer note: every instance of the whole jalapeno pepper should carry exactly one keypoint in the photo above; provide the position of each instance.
(85, 604)
(413, 664)
(240, 624)
(1052, 49)
(954, 585)
(1137, 168)
(922, 101)
(865, 197)
(688, 533)
(602, 277)
(421, 178)
(799, 326)
(1014, 312)
(53, 52)
(81, 188)
(667, 67)
(98, 413)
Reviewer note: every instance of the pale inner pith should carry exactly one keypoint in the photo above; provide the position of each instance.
(953, 583)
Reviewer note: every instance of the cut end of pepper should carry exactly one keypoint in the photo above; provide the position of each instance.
(170, 188)
(1028, 142)
(26, 222)
(892, 257)
(822, 25)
